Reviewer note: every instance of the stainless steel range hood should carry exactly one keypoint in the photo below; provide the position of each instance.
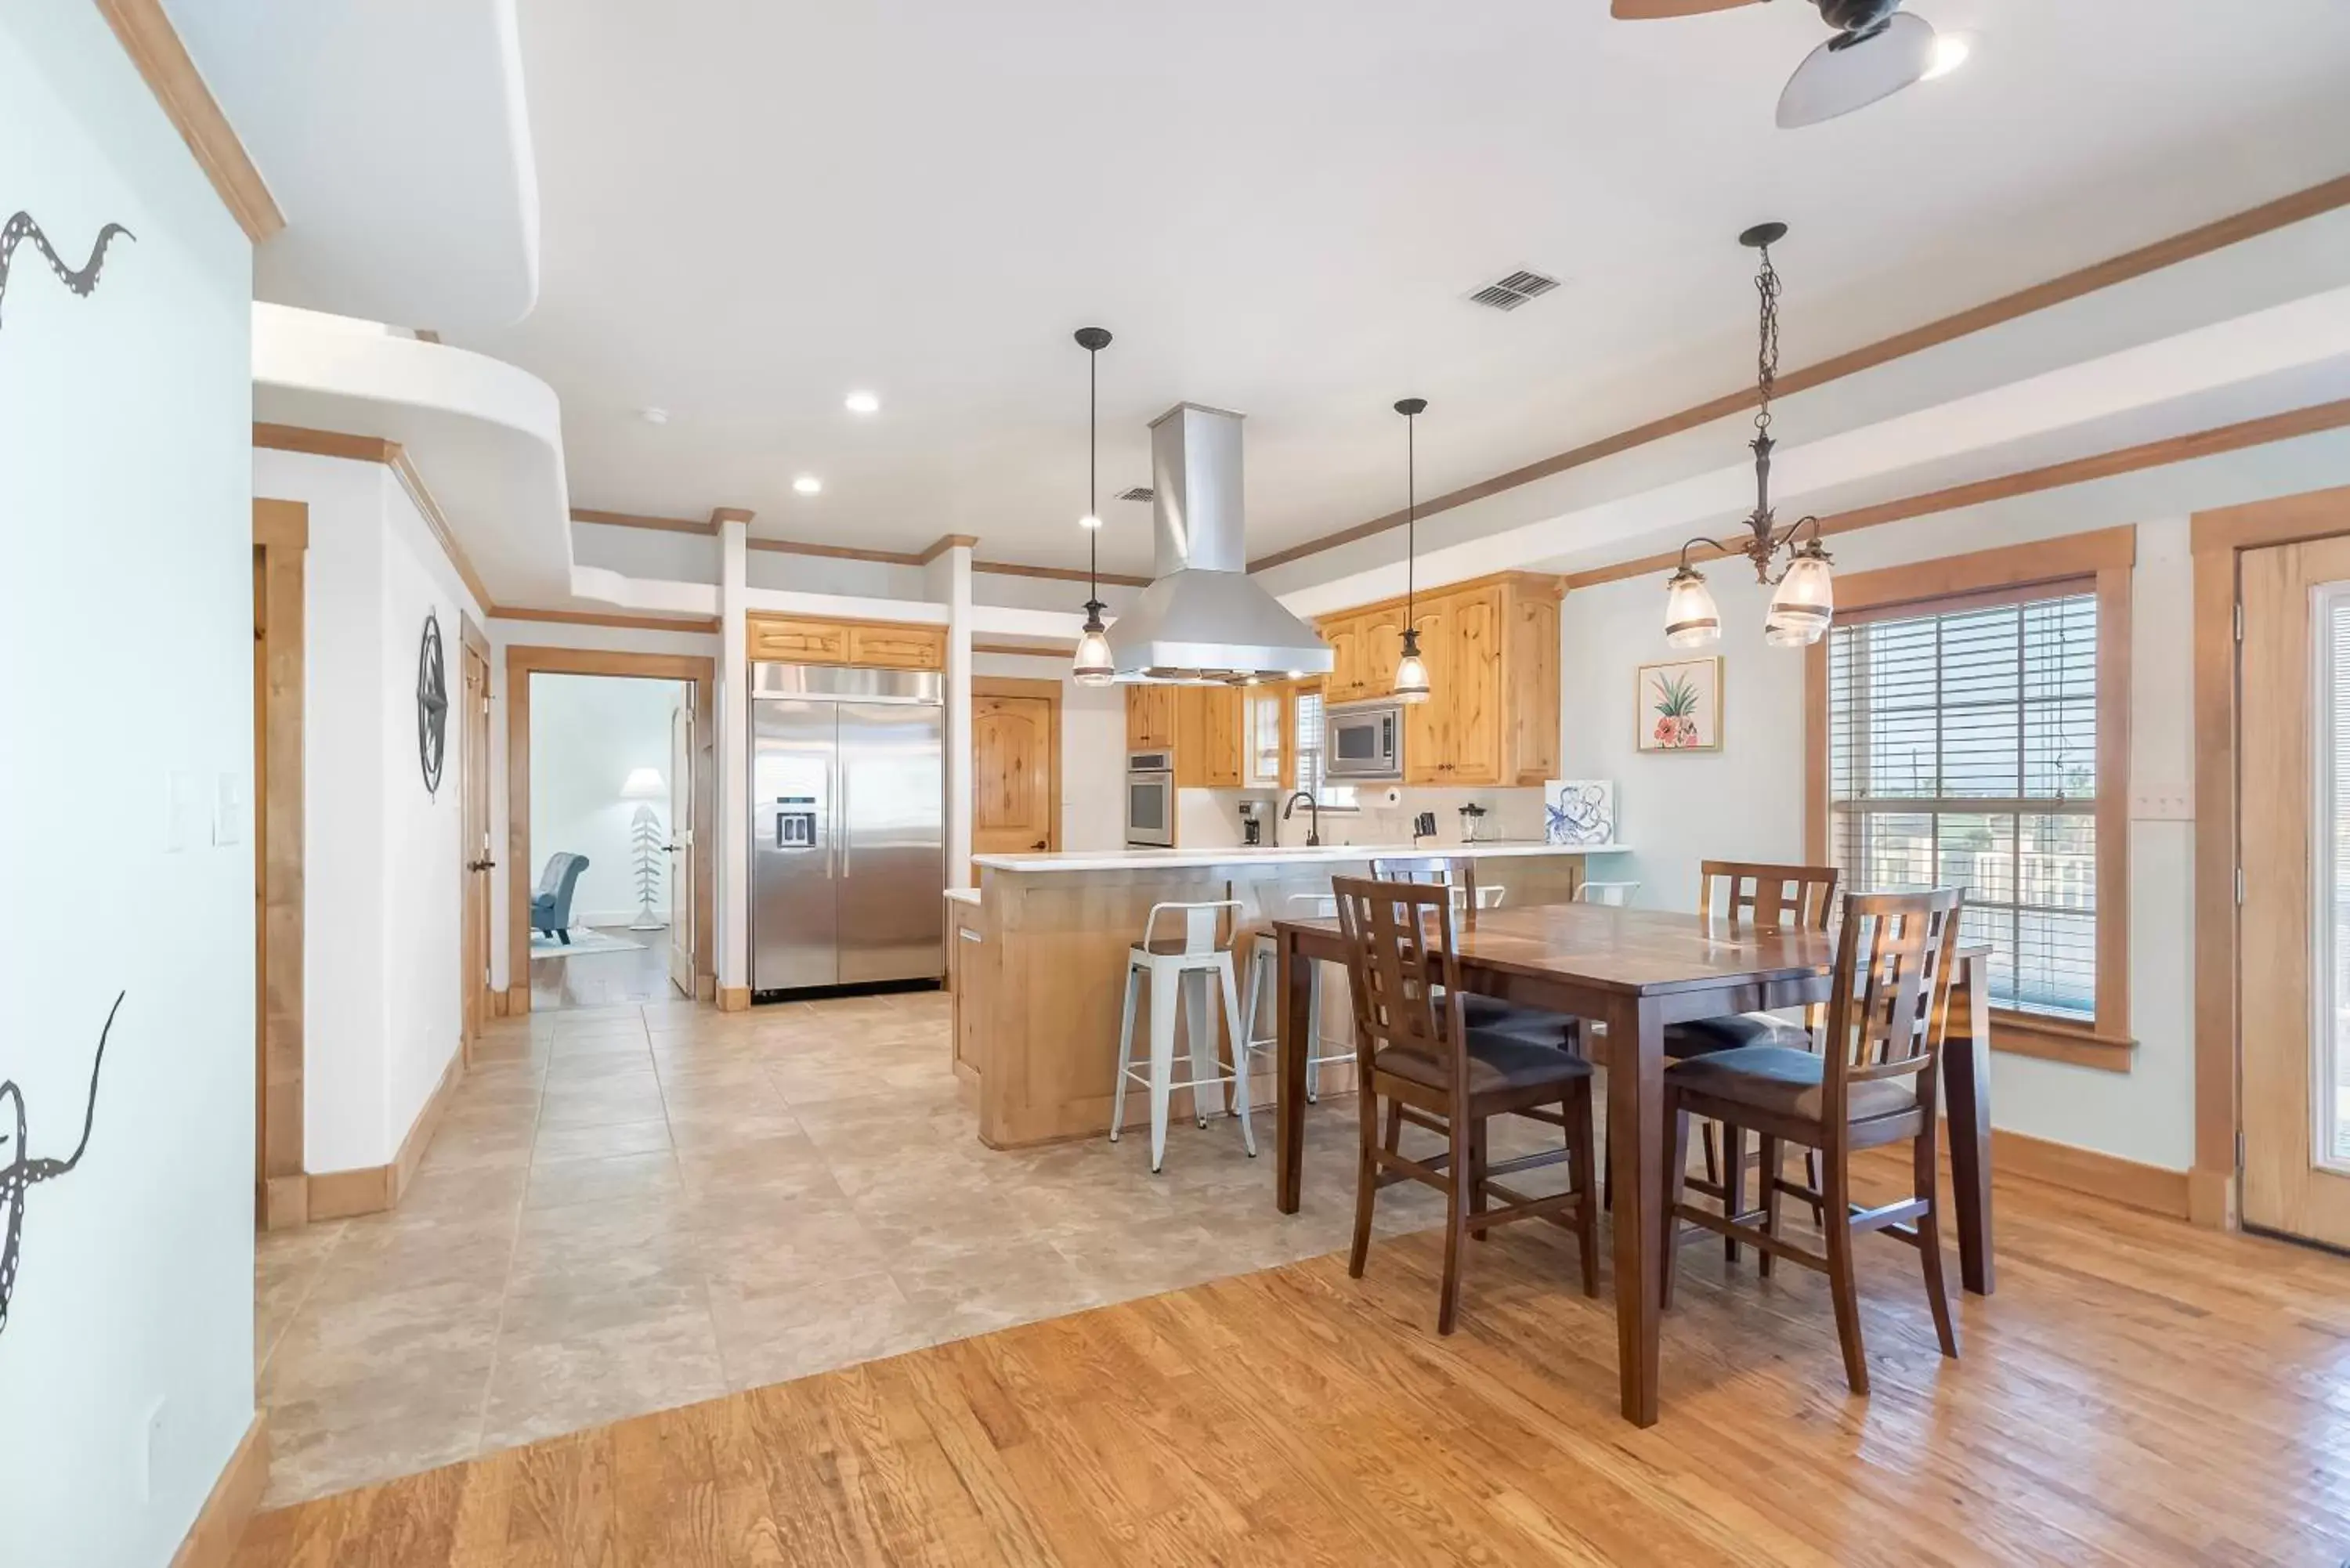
(1202, 619)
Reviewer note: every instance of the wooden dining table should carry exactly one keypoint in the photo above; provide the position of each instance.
(1635, 971)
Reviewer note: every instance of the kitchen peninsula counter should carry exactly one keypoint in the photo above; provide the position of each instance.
(1041, 971)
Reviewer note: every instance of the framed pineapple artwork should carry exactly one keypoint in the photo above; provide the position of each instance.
(1680, 705)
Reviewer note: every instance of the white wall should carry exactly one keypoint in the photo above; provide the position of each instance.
(588, 733)
(124, 502)
(383, 1006)
(1746, 801)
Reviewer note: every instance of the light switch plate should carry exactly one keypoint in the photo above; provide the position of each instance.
(2175, 805)
(228, 809)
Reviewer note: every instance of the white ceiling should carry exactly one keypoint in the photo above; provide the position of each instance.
(395, 143)
(749, 211)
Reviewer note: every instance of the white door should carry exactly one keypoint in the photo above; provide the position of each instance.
(680, 847)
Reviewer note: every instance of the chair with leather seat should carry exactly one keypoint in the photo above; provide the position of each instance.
(1873, 1082)
(1758, 897)
(550, 904)
(1459, 872)
(1415, 1049)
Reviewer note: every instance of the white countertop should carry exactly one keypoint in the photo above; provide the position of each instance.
(1235, 855)
(963, 895)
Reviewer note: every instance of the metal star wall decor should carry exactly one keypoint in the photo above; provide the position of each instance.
(432, 705)
(80, 279)
(23, 1170)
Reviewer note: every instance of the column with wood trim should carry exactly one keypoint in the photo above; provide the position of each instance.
(947, 580)
(733, 762)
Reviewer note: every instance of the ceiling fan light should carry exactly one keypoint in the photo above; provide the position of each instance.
(1804, 603)
(1845, 74)
(1411, 672)
(1691, 620)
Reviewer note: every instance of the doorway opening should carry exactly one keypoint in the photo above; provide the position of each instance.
(610, 871)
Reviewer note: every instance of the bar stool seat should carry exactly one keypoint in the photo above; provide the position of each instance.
(1180, 968)
(1263, 981)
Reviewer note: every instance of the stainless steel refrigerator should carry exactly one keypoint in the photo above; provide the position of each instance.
(847, 826)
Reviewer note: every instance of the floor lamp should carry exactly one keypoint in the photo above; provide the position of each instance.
(648, 841)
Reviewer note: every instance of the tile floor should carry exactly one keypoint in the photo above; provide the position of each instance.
(636, 1206)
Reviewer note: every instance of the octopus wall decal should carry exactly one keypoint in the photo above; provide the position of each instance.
(80, 279)
(23, 1171)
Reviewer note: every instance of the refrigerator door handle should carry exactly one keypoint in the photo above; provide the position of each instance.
(840, 798)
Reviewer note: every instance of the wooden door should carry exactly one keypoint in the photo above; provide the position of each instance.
(260, 881)
(2293, 829)
(474, 760)
(1014, 786)
(680, 847)
(1473, 657)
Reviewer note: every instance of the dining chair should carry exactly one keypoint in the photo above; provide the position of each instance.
(1414, 1048)
(1459, 872)
(1764, 898)
(1872, 1083)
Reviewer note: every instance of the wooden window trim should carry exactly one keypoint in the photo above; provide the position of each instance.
(2102, 559)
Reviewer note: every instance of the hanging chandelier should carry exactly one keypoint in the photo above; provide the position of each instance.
(1803, 598)
(1093, 666)
(1411, 671)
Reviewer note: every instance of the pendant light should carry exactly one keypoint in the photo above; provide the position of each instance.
(1803, 598)
(1411, 672)
(1093, 667)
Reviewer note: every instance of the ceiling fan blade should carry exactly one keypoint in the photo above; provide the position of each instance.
(1650, 10)
(1845, 74)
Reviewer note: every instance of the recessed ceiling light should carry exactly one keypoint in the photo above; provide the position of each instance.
(863, 403)
(1088, 521)
(1950, 50)
(653, 416)
(807, 484)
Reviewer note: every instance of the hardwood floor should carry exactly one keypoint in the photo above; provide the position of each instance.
(639, 974)
(2138, 1392)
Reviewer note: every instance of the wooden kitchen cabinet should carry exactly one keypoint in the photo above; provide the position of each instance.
(1349, 679)
(880, 645)
(1151, 718)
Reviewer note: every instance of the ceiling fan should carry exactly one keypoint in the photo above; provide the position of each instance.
(1878, 49)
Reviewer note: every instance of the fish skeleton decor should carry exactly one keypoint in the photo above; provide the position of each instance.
(80, 279)
(21, 1171)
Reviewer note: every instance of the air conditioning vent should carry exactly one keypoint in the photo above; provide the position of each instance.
(1509, 293)
(1140, 493)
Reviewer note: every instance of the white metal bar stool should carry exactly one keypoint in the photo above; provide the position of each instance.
(1617, 894)
(1182, 965)
(1264, 980)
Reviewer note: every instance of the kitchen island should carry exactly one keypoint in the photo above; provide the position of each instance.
(1040, 964)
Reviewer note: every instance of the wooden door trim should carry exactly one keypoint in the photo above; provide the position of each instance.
(1050, 691)
(491, 1002)
(2218, 538)
(702, 672)
(281, 532)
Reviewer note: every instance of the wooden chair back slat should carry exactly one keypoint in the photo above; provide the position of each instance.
(1403, 970)
(1458, 871)
(1767, 897)
(1894, 956)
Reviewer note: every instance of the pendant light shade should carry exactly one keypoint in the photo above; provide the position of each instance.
(1411, 671)
(1093, 666)
(1691, 620)
(1805, 601)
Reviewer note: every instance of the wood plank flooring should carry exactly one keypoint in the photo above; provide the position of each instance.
(2137, 1393)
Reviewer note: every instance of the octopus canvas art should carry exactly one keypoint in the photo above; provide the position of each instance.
(80, 279)
(21, 1171)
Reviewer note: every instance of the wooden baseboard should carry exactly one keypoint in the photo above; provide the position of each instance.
(2211, 1198)
(517, 1001)
(501, 1004)
(212, 1538)
(371, 1189)
(2147, 1187)
(284, 1202)
(734, 999)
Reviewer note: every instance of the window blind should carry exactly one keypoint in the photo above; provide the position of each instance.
(1963, 752)
(1264, 712)
(1309, 743)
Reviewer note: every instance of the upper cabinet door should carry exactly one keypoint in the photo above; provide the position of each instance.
(1344, 683)
(784, 640)
(1151, 718)
(899, 646)
(1473, 662)
(1379, 645)
(1532, 675)
(1430, 727)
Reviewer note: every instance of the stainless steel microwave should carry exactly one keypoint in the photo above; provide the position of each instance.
(1150, 799)
(1362, 744)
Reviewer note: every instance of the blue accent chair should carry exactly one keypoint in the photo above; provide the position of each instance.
(550, 907)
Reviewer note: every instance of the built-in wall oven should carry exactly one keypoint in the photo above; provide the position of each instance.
(1362, 744)
(1150, 799)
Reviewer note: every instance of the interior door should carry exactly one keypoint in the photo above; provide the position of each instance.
(1012, 804)
(680, 847)
(892, 811)
(794, 847)
(474, 760)
(2293, 674)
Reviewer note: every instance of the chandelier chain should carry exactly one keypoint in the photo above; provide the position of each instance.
(1766, 359)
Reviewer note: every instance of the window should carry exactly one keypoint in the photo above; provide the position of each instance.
(1962, 750)
(1309, 743)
